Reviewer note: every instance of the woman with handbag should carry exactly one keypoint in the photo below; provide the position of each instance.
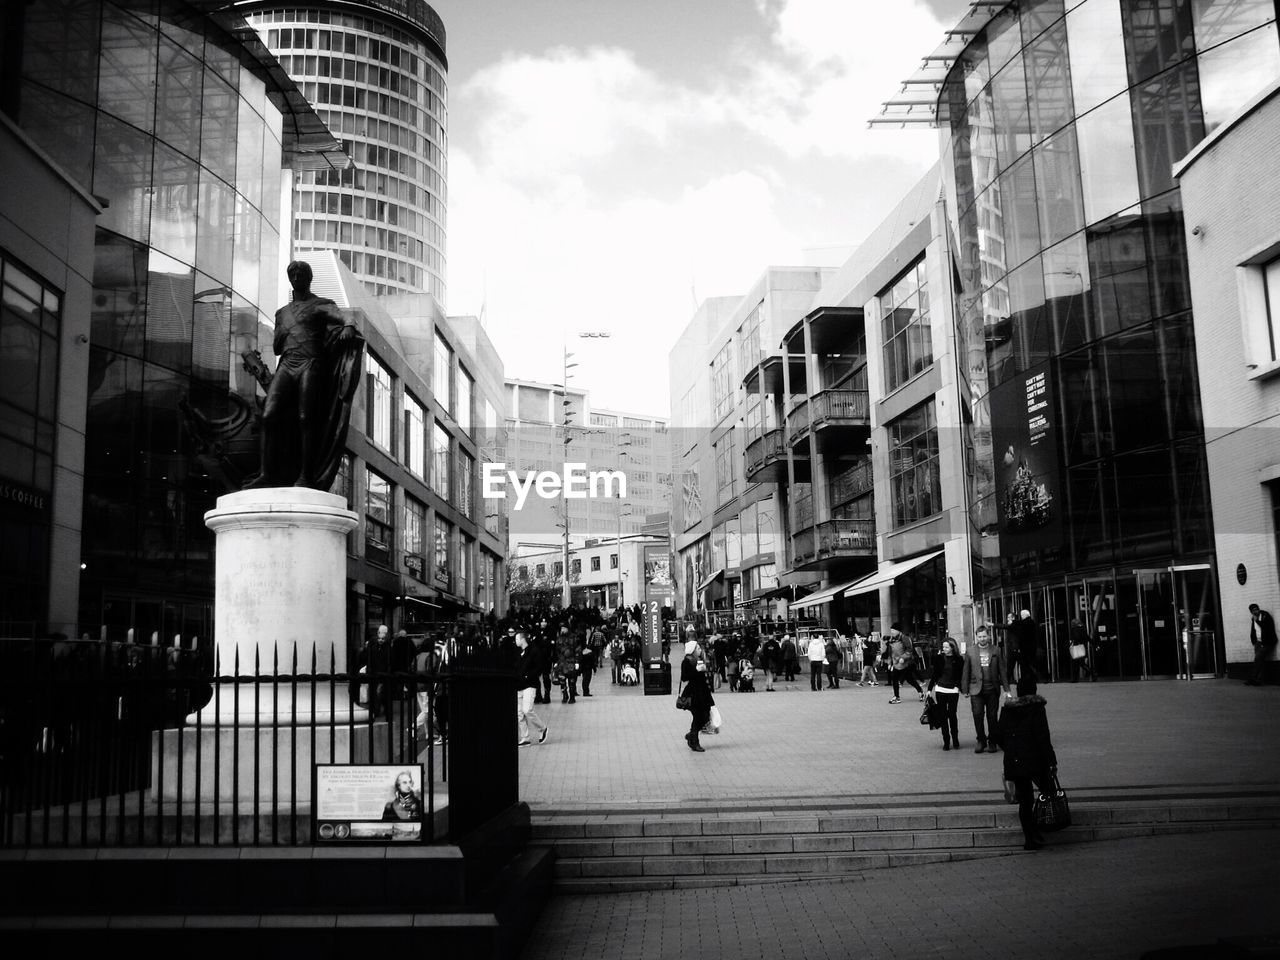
(1029, 761)
(944, 686)
(694, 694)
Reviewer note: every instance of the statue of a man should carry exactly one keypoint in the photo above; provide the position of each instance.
(308, 405)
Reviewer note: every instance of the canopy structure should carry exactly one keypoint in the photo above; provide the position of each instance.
(823, 596)
(711, 579)
(888, 573)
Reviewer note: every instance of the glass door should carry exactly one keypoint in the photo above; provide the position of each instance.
(1159, 624)
(1099, 602)
(1196, 595)
(1056, 660)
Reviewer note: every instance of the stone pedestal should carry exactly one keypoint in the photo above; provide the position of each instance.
(280, 589)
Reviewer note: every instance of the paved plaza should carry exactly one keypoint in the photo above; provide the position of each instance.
(621, 752)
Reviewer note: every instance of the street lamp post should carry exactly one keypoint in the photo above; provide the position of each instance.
(565, 418)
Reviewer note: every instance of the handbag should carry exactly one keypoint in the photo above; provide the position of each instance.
(1077, 651)
(931, 716)
(1051, 810)
(683, 702)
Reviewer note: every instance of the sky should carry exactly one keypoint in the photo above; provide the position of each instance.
(613, 163)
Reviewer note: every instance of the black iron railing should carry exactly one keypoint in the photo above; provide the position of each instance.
(106, 744)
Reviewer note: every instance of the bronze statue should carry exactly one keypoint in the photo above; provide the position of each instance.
(308, 405)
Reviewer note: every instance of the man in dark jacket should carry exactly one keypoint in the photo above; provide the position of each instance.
(1262, 634)
(770, 658)
(526, 690)
(587, 664)
(1029, 760)
(982, 680)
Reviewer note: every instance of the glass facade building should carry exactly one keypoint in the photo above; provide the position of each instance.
(177, 123)
(1061, 123)
(376, 74)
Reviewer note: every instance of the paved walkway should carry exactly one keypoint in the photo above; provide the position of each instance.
(1104, 900)
(622, 750)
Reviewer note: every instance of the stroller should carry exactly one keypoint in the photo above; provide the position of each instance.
(746, 676)
(629, 676)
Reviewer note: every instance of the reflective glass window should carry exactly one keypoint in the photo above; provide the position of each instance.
(171, 287)
(1143, 501)
(1093, 512)
(379, 532)
(1217, 21)
(378, 390)
(442, 372)
(127, 68)
(1084, 412)
(466, 387)
(1031, 326)
(1066, 282)
(62, 128)
(247, 250)
(1167, 122)
(1233, 73)
(178, 98)
(1181, 382)
(1157, 35)
(211, 332)
(415, 527)
(1058, 187)
(174, 205)
(1038, 16)
(122, 173)
(215, 230)
(1021, 224)
(60, 52)
(1096, 41)
(975, 68)
(1004, 38)
(250, 137)
(218, 127)
(1119, 295)
(1012, 115)
(442, 464)
(415, 435)
(914, 480)
(1108, 166)
(982, 140)
(1135, 389)
(1048, 82)
(1166, 248)
(118, 313)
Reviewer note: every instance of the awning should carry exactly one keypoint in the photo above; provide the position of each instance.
(746, 603)
(822, 596)
(711, 579)
(800, 589)
(889, 573)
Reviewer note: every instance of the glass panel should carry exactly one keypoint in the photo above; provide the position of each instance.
(1178, 369)
(1168, 123)
(1107, 163)
(216, 228)
(982, 140)
(1135, 391)
(250, 136)
(1118, 295)
(975, 68)
(1166, 247)
(19, 360)
(1083, 406)
(1192, 506)
(211, 332)
(1232, 74)
(1066, 281)
(1049, 82)
(1143, 504)
(1058, 187)
(1157, 35)
(1096, 42)
(1217, 21)
(1003, 38)
(1092, 515)
(178, 98)
(60, 51)
(172, 289)
(62, 127)
(1031, 327)
(1013, 117)
(218, 127)
(1018, 207)
(119, 294)
(127, 68)
(122, 174)
(246, 250)
(1037, 15)
(173, 214)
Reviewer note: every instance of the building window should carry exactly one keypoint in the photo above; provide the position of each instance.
(603, 420)
(443, 568)
(415, 437)
(914, 484)
(466, 386)
(1261, 310)
(442, 373)
(540, 570)
(378, 401)
(29, 321)
(576, 567)
(595, 564)
(613, 561)
(441, 472)
(557, 568)
(724, 468)
(379, 531)
(721, 383)
(466, 484)
(415, 532)
(904, 316)
(464, 567)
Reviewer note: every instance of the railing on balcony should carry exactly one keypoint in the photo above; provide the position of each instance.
(798, 422)
(802, 547)
(844, 406)
(847, 536)
(854, 482)
(763, 449)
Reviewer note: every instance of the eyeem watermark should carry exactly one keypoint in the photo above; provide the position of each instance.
(574, 483)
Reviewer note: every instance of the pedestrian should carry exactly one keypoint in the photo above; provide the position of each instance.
(833, 655)
(1020, 646)
(944, 687)
(547, 657)
(984, 678)
(790, 658)
(816, 651)
(870, 654)
(1079, 651)
(587, 667)
(567, 666)
(693, 684)
(376, 660)
(615, 659)
(770, 658)
(526, 693)
(1029, 761)
(1262, 634)
(900, 658)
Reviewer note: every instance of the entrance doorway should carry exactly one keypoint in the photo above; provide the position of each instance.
(1179, 621)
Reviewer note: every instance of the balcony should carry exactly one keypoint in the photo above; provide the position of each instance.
(846, 538)
(841, 408)
(765, 457)
(798, 424)
(803, 549)
(852, 483)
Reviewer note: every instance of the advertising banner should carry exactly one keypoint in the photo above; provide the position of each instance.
(1025, 440)
(367, 803)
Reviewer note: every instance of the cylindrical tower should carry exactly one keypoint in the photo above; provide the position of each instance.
(375, 72)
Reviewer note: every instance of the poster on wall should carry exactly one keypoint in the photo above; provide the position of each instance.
(367, 803)
(1025, 441)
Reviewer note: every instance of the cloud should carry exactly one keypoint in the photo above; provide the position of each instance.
(594, 191)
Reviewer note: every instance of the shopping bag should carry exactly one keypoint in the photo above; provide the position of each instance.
(715, 719)
(362, 692)
(1077, 651)
(1051, 810)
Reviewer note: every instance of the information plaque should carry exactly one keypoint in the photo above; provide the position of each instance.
(367, 803)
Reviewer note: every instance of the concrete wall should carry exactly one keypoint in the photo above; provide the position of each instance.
(1231, 196)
